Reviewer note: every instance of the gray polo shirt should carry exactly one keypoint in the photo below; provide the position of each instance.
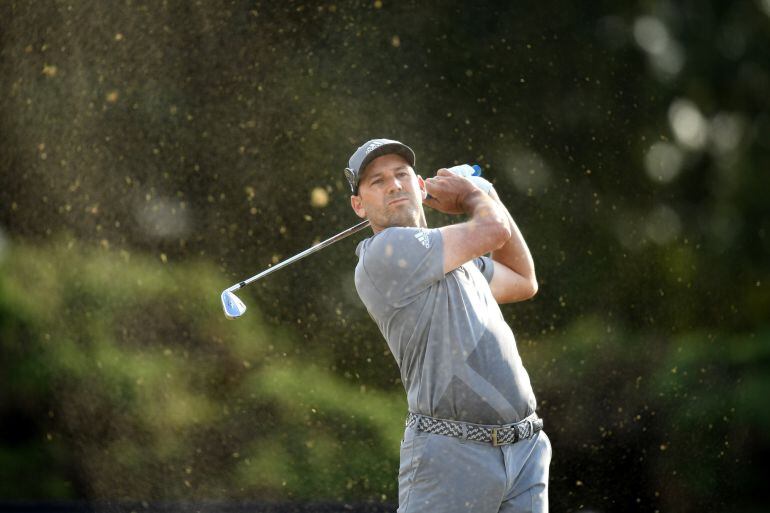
(457, 355)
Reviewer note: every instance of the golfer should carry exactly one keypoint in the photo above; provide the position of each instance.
(473, 442)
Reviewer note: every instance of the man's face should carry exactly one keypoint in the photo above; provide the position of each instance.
(390, 194)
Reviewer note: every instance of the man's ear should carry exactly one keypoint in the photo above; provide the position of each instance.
(423, 190)
(358, 206)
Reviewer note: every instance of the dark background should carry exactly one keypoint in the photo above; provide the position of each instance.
(154, 153)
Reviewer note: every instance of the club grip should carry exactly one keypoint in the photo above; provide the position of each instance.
(466, 170)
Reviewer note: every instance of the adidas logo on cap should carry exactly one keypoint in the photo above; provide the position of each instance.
(373, 146)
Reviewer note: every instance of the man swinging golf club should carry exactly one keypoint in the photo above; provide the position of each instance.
(473, 442)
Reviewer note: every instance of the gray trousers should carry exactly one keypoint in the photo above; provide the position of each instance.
(447, 475)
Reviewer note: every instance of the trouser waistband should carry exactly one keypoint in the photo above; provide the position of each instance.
(496, 435)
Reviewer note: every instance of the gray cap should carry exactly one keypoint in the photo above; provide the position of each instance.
(369, 151)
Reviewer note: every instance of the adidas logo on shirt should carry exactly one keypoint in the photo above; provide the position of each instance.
(422, 236)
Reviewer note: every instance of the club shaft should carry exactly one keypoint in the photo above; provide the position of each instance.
(331, 240)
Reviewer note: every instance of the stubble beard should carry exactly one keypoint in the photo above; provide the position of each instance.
(402, 214)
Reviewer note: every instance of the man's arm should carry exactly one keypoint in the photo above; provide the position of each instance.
(488, 228)
(514, 275)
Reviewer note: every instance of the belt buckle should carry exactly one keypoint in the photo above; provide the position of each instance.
(494, 438)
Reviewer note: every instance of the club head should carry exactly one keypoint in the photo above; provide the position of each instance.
(233, 306)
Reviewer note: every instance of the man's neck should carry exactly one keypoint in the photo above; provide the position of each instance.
(419, 224)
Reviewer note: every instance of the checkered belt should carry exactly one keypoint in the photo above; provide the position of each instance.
(496, 435)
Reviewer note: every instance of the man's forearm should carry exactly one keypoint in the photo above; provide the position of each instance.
(514, 254)
(483, 209)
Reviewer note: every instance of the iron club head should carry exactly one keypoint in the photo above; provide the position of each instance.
(233, 306)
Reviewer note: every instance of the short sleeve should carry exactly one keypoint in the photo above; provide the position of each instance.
(486, 265)
(401, 262)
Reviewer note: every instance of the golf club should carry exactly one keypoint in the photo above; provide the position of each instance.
(234, 307)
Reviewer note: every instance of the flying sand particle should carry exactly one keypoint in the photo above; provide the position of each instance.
(319, 197)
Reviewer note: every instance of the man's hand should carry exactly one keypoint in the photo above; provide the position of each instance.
(448, 192)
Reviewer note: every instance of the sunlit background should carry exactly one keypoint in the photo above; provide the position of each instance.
(154, 153)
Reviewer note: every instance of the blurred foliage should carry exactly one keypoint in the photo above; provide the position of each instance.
(118, 386)
(145, 394)
(644, 422)
(151, 154)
